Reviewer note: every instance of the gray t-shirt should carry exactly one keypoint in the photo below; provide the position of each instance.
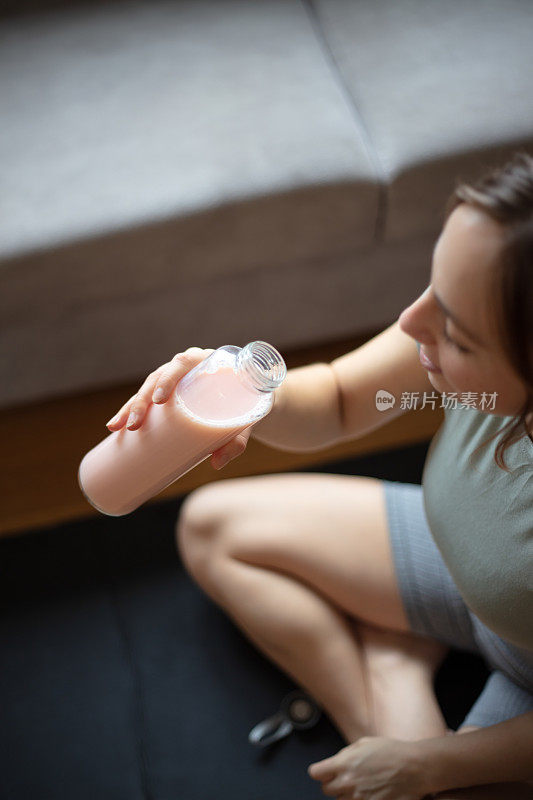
(481, 519)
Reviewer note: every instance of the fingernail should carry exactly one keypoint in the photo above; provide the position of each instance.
(132, 419)
(223, 461)
(158, 395)
(112, 420)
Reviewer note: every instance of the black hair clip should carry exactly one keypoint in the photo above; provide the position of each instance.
(298, 711)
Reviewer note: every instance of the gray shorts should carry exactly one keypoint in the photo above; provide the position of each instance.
(435, 608)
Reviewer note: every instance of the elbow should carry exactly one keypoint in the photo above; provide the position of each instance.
(340, 408)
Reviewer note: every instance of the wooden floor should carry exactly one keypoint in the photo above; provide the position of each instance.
(43, 444)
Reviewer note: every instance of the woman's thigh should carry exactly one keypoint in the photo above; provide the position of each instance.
(328, 531)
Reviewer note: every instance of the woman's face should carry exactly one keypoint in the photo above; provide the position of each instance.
(452, 319)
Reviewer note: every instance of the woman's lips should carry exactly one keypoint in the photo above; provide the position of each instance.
(427, 363)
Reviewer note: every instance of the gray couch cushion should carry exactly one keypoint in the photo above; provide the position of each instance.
(150, 146)
(135, 112)
(206, 173)
(443, 90)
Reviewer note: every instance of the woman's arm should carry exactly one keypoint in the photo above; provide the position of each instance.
(306, 413)
(496, 754)
(320, 405)
(389, 361)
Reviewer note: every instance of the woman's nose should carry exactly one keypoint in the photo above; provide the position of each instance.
(417, 319)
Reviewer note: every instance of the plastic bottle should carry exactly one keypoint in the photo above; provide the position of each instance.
(228, 391)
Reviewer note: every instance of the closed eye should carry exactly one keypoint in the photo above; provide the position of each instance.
(454, 343)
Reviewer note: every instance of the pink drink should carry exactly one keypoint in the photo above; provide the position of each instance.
(205, 412)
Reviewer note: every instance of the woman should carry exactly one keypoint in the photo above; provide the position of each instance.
(357, 587)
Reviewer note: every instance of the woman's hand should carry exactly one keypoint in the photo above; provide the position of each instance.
(372, 768)
(158, 387)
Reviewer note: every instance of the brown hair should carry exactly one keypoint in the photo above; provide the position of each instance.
(506, 195)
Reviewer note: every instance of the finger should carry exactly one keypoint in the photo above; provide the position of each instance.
(322, 770)
(171, 373)
(231, 450)
(134, 410)
(164, 378)
(140, 398)
(338, 786)
(116, 422)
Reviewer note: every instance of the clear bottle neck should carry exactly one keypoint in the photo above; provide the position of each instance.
(260, 364)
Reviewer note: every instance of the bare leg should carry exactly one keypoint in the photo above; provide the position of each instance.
(301, 633)
(401, 669)
(368, 681)
(295, 582)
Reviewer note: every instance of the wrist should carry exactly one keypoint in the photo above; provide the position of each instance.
(431, 766)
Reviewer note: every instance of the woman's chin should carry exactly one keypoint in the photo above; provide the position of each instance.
(438, 382)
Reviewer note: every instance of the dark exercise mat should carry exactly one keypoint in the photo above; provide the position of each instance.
(120, 679)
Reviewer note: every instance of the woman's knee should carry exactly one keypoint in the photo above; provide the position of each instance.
(201, 525)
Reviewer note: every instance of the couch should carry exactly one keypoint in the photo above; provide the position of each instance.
(216, 171)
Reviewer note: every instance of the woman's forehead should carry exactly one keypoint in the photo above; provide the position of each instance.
(464, 260)
(473, 233)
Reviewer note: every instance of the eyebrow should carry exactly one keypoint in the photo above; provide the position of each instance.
(457, 322)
